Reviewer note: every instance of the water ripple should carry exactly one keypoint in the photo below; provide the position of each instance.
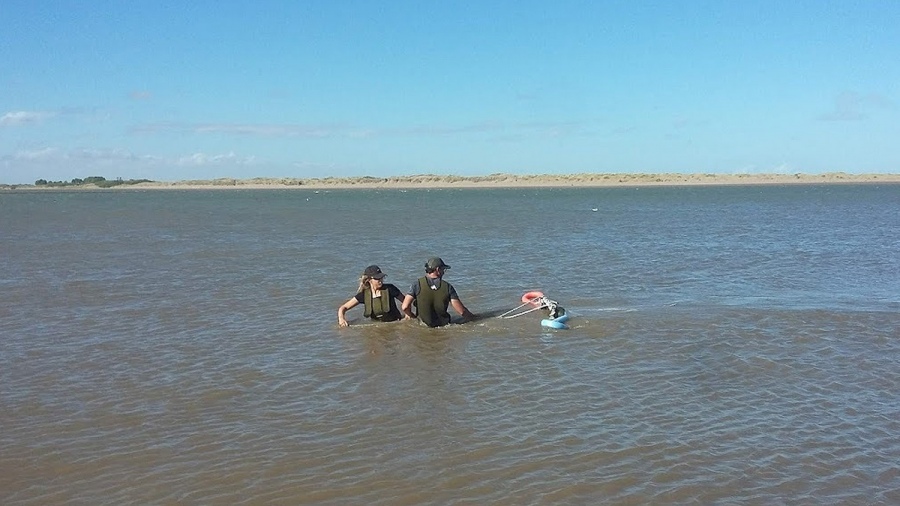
(187, 358)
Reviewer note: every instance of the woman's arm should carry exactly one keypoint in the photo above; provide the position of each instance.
(343, 309)
(407, 305)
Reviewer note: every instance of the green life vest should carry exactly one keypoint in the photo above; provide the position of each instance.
(432, 304)
(380, 308)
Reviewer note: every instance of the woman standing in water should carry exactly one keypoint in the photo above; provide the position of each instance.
(377, 296)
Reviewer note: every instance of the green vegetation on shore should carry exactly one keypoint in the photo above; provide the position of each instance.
(98, 181)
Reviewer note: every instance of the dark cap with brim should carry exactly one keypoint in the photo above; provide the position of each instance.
(435, 262)
(374, 272)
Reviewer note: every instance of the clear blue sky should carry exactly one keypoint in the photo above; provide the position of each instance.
(172, 90)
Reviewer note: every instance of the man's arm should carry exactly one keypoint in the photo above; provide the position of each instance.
(461, 309)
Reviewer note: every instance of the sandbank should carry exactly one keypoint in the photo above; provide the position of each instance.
(500, 181)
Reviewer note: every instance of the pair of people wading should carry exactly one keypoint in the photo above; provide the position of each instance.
(430, 293)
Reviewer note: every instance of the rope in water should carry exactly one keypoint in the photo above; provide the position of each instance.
(536, 299)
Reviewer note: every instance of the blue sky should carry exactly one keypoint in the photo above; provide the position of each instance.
(174, 90)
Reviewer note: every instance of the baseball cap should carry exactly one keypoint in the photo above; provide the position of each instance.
(374, 272)
(435, 262)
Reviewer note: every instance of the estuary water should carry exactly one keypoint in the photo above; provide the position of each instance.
(728, 345)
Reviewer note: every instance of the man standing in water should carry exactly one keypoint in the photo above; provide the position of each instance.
(432, 295)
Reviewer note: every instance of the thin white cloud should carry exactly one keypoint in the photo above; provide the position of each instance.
(53, 155)
(103, 155)
(272, 130)
(16, 118)
(257, 130)
(36, 154)
(553, 129)
(55, 163)
(540, 128)
(140, 95)
(203, 159)
(440, 130)
(853, 106)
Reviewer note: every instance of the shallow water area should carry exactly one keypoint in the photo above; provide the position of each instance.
(726, 345)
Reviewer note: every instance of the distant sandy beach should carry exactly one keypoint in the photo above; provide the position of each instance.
(502, 181)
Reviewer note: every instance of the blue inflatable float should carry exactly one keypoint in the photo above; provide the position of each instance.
(559, 322)
(558, 316)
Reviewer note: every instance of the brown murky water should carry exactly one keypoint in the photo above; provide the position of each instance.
(728, 346)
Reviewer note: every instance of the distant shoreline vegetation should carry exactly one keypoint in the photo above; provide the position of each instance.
(98, 181)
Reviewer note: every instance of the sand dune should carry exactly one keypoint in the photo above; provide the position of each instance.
(510, 180)
(542, 180)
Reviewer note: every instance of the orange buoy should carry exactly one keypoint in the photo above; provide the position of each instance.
(532, 297)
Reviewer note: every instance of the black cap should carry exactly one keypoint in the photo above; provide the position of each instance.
(374, 272)
(435, 262)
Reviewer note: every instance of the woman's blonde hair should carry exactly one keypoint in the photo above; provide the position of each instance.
(363, 282)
